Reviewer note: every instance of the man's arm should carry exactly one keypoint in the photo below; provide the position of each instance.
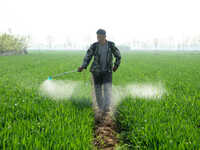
(88, 57)
(117, 55)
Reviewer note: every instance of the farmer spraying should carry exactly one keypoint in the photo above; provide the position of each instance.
(102, 68)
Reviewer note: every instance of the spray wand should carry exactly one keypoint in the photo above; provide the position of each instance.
(61, 74)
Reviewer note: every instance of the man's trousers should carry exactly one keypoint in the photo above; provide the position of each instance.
(103, 89)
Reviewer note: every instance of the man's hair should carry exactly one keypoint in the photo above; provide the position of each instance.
(101, 31)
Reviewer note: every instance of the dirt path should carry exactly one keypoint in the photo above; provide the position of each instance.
(105, 132)
(105, 128)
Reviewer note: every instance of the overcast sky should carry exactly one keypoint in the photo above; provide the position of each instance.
(78, 20)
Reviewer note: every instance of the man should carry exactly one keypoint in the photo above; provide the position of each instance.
(102, 67)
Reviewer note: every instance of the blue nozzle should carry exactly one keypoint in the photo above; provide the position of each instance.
(49, 78)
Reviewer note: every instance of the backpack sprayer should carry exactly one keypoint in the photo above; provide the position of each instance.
(61, 74)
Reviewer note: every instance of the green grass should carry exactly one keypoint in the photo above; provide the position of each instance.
(30, 121)
(171, 122)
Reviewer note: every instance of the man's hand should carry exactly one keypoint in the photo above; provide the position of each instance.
(115, 68)
(80, 69)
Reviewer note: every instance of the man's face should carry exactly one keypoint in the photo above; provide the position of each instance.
(101, 37)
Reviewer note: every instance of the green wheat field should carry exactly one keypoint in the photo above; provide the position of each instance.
(29, 120)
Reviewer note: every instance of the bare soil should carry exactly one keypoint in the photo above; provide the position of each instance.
(105, 132)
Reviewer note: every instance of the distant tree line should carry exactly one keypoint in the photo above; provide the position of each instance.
(124, 47)
(13, 44)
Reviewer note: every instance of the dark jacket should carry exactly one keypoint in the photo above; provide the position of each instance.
(93, 51)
